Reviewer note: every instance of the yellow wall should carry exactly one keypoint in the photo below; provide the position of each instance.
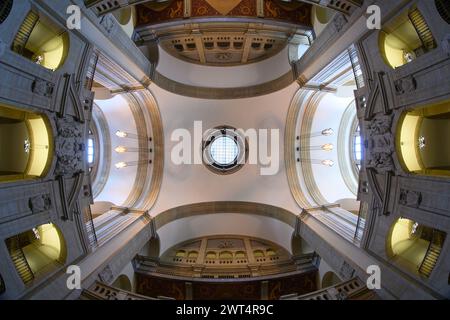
(52, 45)
(406, 248)
(409, 142)
(40, 144)
(43, 253)
(394, 43)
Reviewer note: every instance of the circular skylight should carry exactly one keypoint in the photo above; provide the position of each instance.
(224, 150)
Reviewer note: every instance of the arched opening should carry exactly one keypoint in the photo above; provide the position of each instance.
(37, 252)
(42, 41)
(5, 9)
(127, 19)
(320, 18)
(330, 279)
(405, 39)
(423, 140)
(25, 144)
(415, 247)
(123, 283)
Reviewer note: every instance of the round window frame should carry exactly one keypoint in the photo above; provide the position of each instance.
(229, 132)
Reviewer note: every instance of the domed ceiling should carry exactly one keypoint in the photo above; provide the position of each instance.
(222, 33)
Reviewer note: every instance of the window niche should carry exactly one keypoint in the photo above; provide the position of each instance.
(26, 144)
(42, 41)
(405, 39)
(37, 252)
(425, 152)
(415, 247)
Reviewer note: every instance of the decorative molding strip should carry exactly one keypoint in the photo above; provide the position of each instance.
(101, 178)
(223, 93)
(70, 94)
(196, 209)
(379, 90)
(344, 142)
(289, 147)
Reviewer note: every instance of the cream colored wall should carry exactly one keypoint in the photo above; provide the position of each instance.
(221, 77)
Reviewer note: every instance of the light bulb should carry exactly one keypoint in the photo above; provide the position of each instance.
(327, 147)
(120, 149)
(121, 134)
(328, 132)
(328, 163)
(121, 165)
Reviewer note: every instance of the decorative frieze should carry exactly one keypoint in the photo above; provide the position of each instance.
(380, 144)
(69, 147)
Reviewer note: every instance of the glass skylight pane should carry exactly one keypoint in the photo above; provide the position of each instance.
(224, 150)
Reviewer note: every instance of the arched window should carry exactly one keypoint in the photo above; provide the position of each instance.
(405, 39)
(356, 147)
(224, 150)
(42, 41)
(423, 140)
(5, 9)
(25, 143)
(415, 247)
(37, 252)
(270, 252)
(90, 151)
(240, 255)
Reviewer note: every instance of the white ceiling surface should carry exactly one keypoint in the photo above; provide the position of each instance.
(225, 224)
(329, 179)
(120, 182)
(220, 77)
(187, 184)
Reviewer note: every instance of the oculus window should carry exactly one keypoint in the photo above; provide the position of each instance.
(224, 150)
